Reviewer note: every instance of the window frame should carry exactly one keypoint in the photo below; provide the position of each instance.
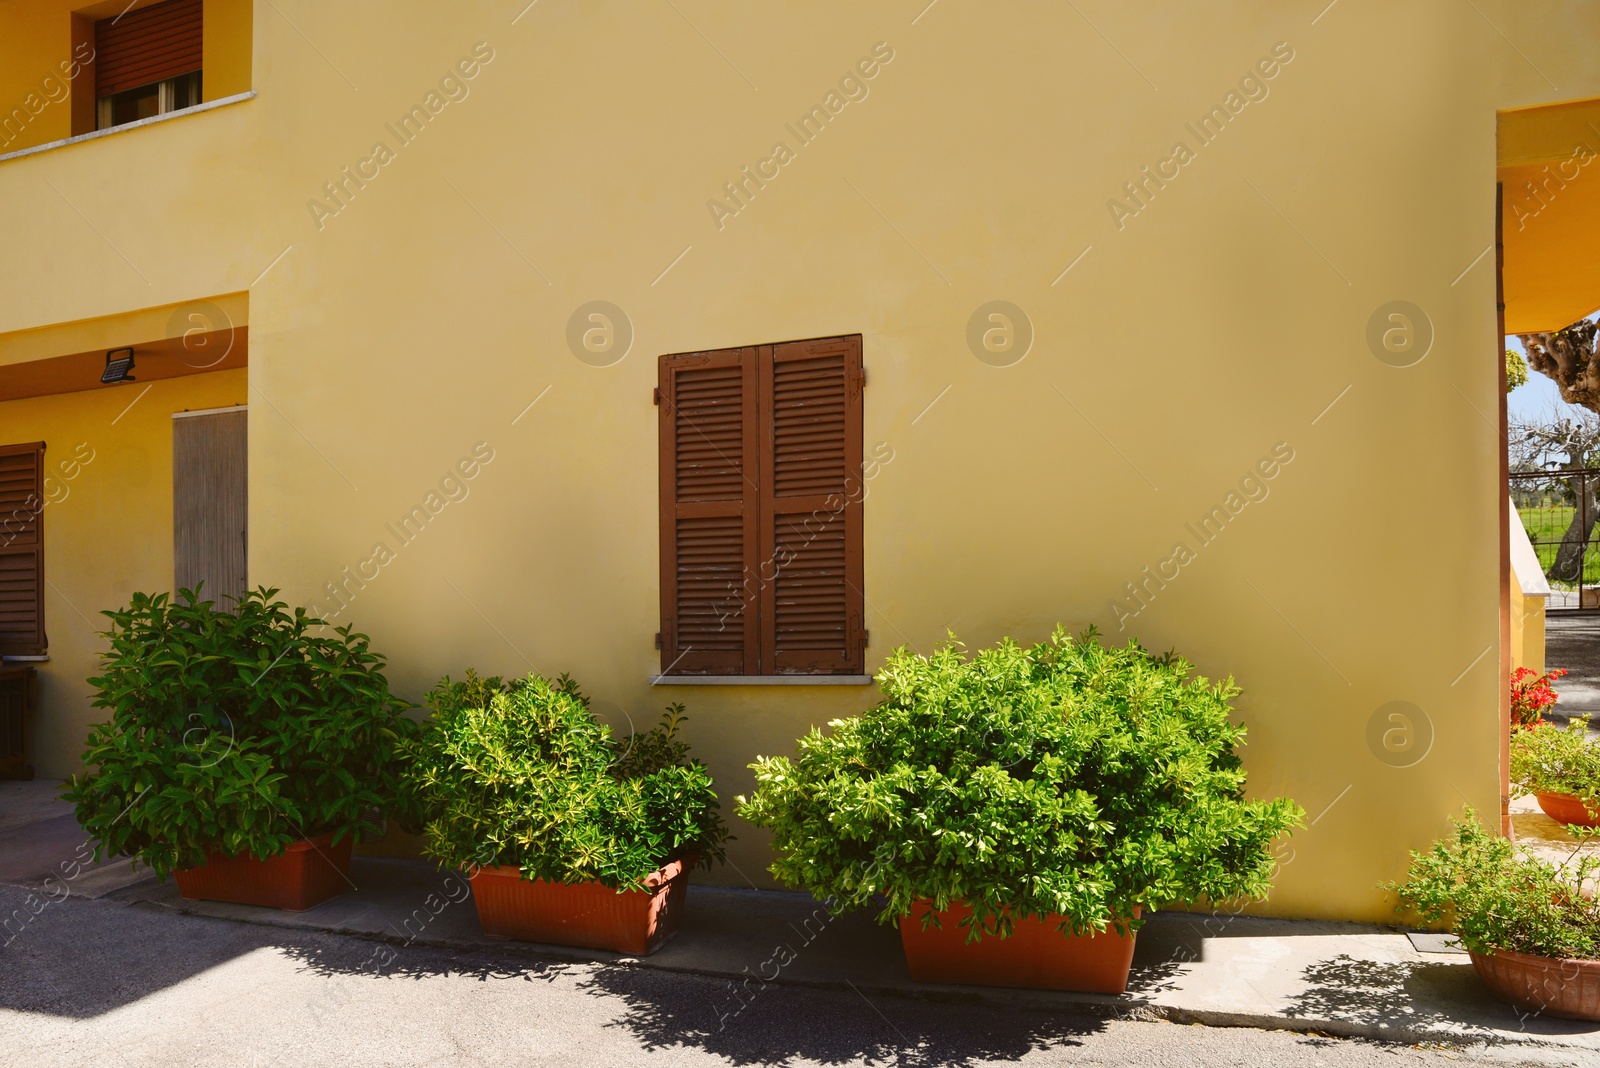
(166, 100)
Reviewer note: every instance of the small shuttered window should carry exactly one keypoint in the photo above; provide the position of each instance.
(761, 507)
(151, 44)
(22, 550)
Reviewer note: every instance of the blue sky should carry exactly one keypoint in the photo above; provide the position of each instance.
(1534, 397)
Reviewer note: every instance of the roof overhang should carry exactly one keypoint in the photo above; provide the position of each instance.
(171, 341)
(1549, 170)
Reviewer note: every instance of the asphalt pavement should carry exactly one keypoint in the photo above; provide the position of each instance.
(1572, 641)
(99, 983)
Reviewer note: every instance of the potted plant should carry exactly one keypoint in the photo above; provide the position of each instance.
(1016, 812)
(1530, 927)
(570, 836)
(1560, 766)
(243, 749)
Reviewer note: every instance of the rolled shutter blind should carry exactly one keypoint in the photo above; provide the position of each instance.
(148, 45)
(22, 550)
(811, 504)
(210, 506)
(709, 512)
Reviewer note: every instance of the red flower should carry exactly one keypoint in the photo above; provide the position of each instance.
(1531, 695)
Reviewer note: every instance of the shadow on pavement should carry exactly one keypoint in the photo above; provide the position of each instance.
(1408, 994)
(754, 1022)
(74, 959)
(82, 959)
(745, 1023)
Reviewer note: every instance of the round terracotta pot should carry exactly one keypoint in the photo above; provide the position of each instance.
(1544, 986)
(1565, 808)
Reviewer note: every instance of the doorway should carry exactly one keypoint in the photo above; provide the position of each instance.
(210, 513)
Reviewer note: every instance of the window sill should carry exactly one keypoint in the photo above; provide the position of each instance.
(151, 121)
(761, 680)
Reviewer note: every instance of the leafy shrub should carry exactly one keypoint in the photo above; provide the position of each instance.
(1549, 759)
(1477, 884)
(1067, 779)
(522, 774)
(1531, 695)
(238, 732)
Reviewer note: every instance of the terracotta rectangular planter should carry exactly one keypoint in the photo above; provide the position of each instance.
(309, 873)
(582, 914)
(1036, 955)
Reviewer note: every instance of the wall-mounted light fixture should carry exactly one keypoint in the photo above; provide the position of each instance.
(119, 367)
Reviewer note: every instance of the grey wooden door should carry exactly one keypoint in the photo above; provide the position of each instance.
(209, 508)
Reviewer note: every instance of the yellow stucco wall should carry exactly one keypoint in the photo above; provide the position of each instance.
(47, 93)
(1229, 314)
(1527, 630)
(227, 45)
(107, 525)
(35, 91)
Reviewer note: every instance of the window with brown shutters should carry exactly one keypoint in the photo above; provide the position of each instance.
(761, 491)
(147, 62)
(22, 550)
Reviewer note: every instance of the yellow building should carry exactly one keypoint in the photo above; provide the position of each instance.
(1178, 320)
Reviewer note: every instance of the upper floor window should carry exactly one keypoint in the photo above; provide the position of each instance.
(147, 62)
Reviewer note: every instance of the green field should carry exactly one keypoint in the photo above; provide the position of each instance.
(1546, 524)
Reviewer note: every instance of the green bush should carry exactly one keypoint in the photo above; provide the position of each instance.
(522, 774)
(1066, 779)
(1493, 898)
(1549, 759)
(239, 732)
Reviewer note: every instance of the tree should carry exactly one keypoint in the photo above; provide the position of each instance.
(1568, 358)
(1563, 438)
(1516, 370)
(1563, 441)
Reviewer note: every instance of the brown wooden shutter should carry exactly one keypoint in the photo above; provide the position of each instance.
(709, 512)
(148, 45)
(811, 505)
(22, 550)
